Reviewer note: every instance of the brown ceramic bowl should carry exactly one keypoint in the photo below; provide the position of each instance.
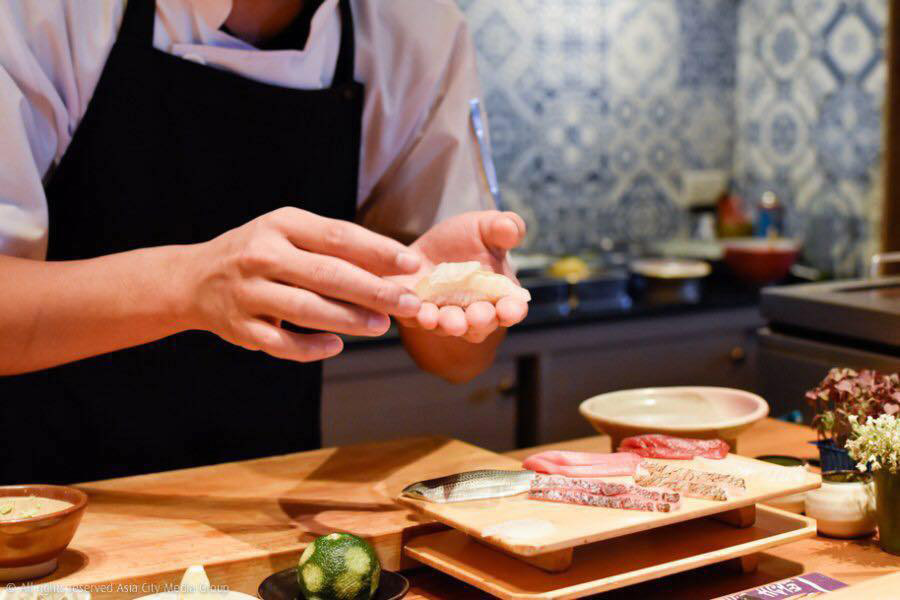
(29, 548)
(761, 261)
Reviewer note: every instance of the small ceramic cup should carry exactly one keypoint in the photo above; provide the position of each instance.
(844, 507)
(30, 547)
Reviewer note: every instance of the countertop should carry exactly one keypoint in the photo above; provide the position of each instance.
(850, 561)
(248, 519)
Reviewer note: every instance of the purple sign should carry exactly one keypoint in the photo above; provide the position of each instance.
(806, 585)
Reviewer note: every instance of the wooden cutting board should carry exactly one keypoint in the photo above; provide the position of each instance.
(246, 520)
(574, 525)
(613, 563)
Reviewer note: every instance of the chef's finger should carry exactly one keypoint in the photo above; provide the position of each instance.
(308, 309)
(481, 316)
(519, 221)
(511, 311)
(373, 252)
(504, 230)
(452, 320)
(281, 343)
(428, 316)
(338, 279)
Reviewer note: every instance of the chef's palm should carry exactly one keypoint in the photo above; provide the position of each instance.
(480, 236)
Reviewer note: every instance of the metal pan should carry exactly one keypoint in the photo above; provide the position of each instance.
(660, 281)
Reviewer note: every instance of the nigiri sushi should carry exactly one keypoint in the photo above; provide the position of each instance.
(462, 284)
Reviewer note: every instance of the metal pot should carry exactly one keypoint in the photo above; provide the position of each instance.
(660, 281)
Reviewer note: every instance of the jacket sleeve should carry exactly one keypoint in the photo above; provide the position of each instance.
(435, 173)
(51, 55)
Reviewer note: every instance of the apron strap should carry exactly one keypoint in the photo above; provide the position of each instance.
(343, 72)
(138, 21)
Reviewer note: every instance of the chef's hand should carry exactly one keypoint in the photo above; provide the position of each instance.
(483, 236)
(293, 265)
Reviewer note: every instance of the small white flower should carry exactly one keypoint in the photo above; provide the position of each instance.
(876, 443)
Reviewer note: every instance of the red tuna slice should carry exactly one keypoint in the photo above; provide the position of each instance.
(656, 445)
(600, 465)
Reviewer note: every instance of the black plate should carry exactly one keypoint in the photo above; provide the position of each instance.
(283, 585)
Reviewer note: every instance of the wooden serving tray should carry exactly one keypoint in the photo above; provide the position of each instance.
(247, 520)
(579, 525)
(612, 563)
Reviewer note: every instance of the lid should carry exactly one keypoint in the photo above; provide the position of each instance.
(769, 201)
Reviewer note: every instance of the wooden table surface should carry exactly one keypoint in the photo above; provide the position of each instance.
(246, 520)
(850, 561)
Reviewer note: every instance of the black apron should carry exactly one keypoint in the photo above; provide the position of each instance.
(174, 152)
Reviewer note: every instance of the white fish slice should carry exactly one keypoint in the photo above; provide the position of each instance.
(462, 284)
(762, 474)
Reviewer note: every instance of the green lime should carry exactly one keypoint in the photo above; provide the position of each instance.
(339, 566)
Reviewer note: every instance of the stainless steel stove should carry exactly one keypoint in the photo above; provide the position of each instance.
(813, 327)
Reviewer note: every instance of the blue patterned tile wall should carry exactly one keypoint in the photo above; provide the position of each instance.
(811, 81)
(597, 106)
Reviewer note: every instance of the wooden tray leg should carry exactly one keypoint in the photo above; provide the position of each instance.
(553, 562)
(743, 564)
(739, 517)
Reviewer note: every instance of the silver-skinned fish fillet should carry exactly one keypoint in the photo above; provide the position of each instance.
(472, 485)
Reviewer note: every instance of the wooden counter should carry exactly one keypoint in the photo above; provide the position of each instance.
(246, 520)
(153, 526)
(850, 561)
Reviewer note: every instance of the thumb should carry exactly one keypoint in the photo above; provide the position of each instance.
(501, 230)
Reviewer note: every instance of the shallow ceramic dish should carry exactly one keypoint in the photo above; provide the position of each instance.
(698, 412)
(710, 250)
(283, 585)
(30, 547)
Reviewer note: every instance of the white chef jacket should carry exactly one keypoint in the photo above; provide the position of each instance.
(419, 163)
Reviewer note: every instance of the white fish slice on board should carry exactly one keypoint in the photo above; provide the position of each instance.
(462, 284)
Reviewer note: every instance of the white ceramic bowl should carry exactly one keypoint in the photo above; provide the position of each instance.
(843, 510)
(697, 412)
